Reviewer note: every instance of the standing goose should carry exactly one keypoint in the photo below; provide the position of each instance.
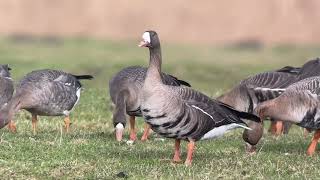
(45, 93)
(180, 112)
(124, 89)
(299, 104)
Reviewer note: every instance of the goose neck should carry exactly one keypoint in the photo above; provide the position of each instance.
(154, 69)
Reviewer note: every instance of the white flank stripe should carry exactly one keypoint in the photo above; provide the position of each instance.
(8, 78)
(202, 111)
(219, 131)
(269, 89)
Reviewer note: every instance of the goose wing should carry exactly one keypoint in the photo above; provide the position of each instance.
(213, 107)
(270, 80)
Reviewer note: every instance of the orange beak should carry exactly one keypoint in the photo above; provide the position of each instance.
(143, 44)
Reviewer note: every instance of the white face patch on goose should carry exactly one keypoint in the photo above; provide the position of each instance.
(119, 126)
(146, 37)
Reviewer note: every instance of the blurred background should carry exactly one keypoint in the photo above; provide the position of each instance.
(212, 44)
(213, 38)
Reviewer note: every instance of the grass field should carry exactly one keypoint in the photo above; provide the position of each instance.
(89, 151)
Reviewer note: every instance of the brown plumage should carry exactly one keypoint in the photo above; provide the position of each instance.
(299, 104)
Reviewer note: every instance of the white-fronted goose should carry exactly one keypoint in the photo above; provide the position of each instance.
(45, 93)
(6, 85)
(299, 104)
(244, 100)
(124, 89)
(180, 112)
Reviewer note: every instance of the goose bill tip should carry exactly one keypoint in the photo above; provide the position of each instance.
(143, 44)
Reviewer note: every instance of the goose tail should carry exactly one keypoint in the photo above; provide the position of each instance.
(181, 82)
(83, 77)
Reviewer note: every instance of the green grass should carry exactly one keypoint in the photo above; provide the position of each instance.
(89, 151)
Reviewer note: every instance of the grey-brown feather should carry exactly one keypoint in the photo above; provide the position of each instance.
(48, 92)
(6, 86)
(299, 103)
(184, 113)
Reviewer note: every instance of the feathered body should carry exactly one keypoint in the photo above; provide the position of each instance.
(125, 91)
(6, 85)
(131, 80)
(300, 104)
(46, 93)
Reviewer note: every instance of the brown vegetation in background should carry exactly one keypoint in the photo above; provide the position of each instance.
(205, 21)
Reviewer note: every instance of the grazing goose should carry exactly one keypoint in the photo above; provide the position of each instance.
(45, 93)
(180, 112)
(299, 104)
(6, 85)
(244, 100)
(309, 69)
(124, 89)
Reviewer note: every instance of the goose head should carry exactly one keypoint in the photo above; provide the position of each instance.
(4, 70)
(150, 40)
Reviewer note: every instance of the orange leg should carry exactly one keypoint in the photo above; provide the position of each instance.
(34, 123)
(67, 123)
(146, 132)
(12, 126)
(272, 128)
(191, 146)
(133, 135)
(313, 144)
(176, 157)
(279, 128)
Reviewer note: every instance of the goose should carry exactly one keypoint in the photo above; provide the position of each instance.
(124, 89)
(45, 93)
(6, 86)
(310, 69)
(180, 112)
(243, 99)
(299, 104)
